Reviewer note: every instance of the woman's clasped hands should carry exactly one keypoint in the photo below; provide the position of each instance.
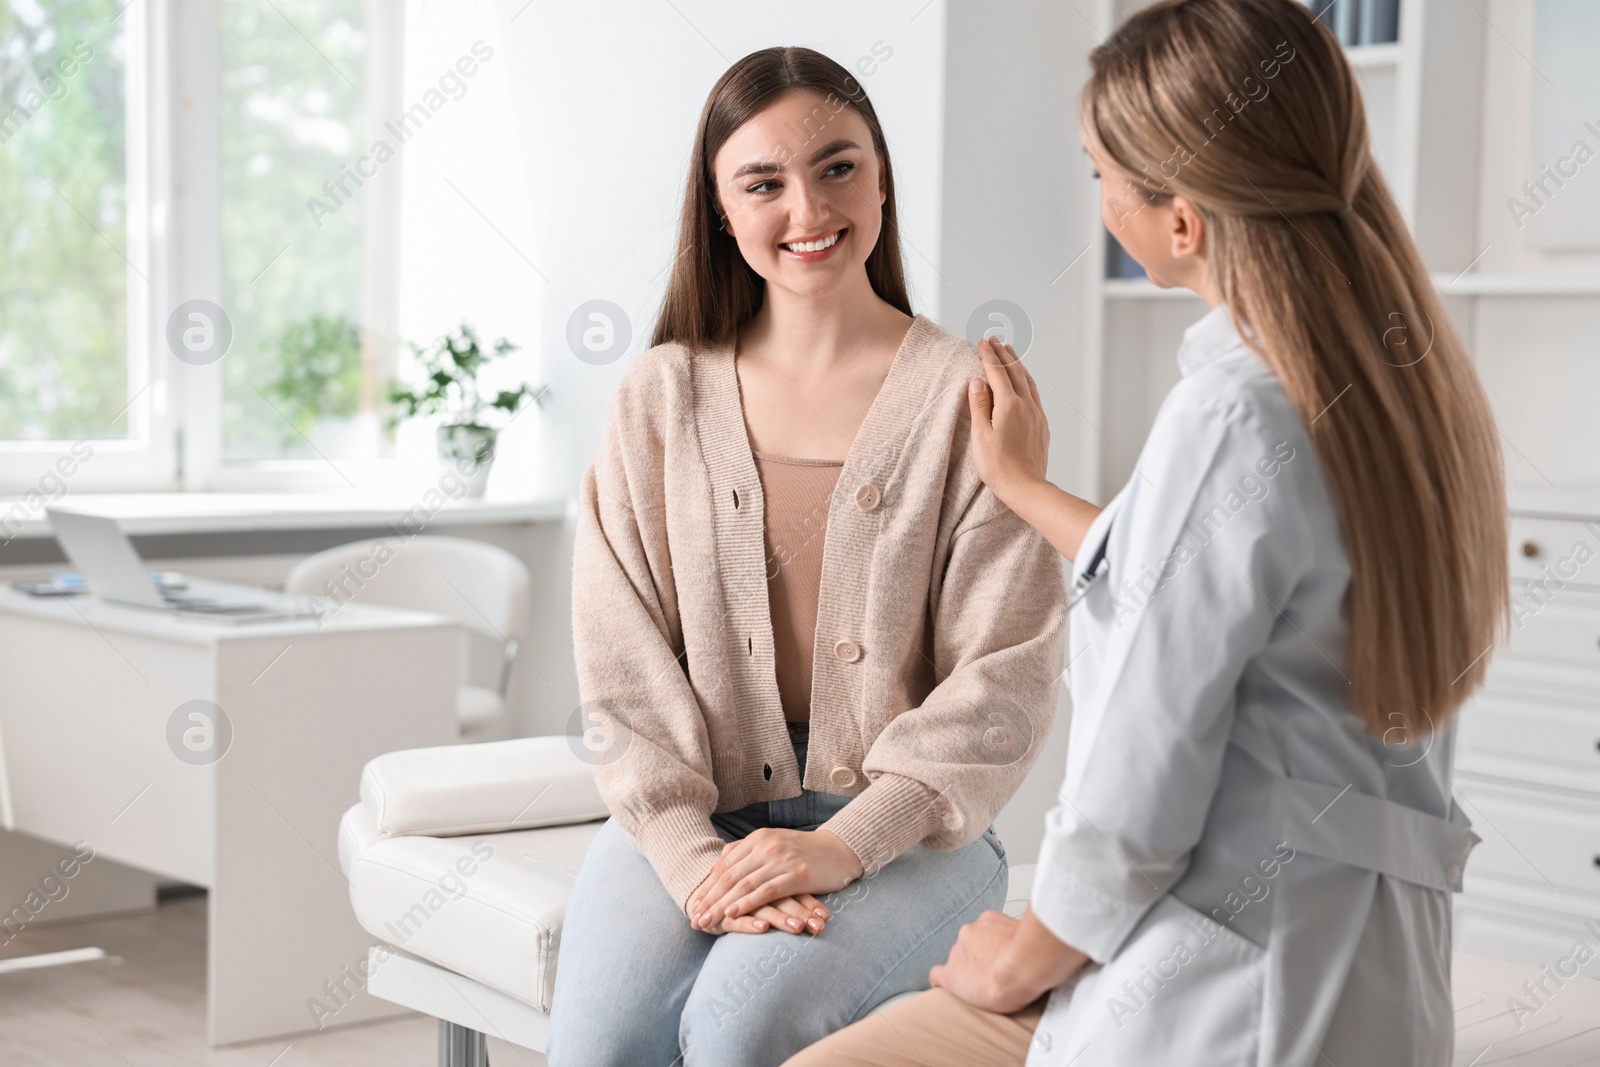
(768, 879)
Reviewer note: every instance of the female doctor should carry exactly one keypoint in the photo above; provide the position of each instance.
(1255, 845)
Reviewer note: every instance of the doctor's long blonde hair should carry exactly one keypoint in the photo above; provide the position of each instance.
(1249, 109)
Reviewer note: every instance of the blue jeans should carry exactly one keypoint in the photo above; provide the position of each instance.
(637, 986)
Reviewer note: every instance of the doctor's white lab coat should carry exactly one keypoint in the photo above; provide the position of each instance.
(1257, 879)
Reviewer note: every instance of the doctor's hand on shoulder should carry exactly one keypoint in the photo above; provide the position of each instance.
(1011, 448)
(1010, 434)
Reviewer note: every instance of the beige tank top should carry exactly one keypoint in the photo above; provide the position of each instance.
(798, 492)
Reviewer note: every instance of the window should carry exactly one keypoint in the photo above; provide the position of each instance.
(312, 182)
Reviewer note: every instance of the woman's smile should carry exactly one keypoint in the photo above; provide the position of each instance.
(813, 249)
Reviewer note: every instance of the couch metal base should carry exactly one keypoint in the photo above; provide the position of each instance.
(460, 1047)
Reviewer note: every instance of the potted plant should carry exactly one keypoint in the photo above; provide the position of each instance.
(449, 369)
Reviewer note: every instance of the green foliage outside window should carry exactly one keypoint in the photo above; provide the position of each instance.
(63, 221)
(319, 373)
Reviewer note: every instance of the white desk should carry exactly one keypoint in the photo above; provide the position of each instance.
(86, 694)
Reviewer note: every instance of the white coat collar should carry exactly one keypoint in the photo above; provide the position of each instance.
(1208, 339)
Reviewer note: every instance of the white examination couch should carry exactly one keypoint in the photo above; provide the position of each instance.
(460, 860)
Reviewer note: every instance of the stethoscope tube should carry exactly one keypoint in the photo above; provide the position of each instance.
(1098, 567)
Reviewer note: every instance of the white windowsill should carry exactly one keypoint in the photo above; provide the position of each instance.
(179, 513)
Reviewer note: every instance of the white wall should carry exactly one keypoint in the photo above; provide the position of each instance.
(1017, 187)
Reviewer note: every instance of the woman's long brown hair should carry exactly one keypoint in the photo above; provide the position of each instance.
(713, 291)
(1249, 109)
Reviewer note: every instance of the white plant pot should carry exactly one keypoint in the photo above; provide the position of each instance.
(469, 451)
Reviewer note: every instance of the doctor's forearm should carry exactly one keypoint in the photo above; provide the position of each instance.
(1037, 960)
(1062, 518)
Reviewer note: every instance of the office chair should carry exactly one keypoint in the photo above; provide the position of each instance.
(481, 586)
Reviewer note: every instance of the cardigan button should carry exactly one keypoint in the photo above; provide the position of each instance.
(843, 777)
(868, 497)
(848, 651)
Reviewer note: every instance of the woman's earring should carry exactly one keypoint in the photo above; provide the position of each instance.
(722, 223)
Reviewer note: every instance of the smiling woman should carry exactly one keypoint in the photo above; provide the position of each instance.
(796, 720)
(716, 288)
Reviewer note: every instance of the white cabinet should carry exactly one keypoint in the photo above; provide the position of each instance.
(1528, 748)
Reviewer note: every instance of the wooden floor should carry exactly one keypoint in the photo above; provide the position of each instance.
(144, 1006)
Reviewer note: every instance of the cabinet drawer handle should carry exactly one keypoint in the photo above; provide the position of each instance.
(1530, 549)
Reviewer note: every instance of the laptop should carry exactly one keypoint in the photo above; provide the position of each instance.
(113, 571)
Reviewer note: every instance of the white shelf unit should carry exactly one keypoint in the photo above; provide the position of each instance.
(1375, 56)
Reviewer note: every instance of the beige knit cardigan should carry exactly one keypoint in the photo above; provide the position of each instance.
(940, 622)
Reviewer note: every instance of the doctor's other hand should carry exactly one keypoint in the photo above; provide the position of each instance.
(1003, 964)
(973, 971)
(1010, 435)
